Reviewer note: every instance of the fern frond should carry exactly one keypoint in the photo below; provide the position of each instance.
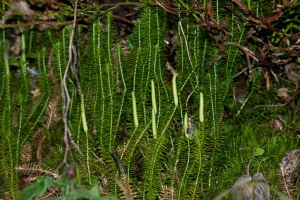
(168, 193)
(11, 178)
(36, 170)
(200, 154)
(126, 188)
(153, 167)
(285, 184)
(287, 166)
(26, 153)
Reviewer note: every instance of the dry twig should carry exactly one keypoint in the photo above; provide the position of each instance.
(191, 63)
(68, 140)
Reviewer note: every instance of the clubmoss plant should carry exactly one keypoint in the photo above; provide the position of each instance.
(167, 112)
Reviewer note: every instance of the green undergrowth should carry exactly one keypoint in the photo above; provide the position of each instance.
(178, 135)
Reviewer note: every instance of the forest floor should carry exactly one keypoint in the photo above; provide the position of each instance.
(270, 109)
